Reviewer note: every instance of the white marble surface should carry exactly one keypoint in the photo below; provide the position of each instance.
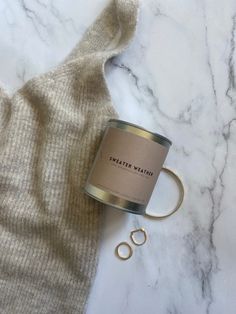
(177, 78)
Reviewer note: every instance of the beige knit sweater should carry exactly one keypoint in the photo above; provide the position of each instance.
(49, 133)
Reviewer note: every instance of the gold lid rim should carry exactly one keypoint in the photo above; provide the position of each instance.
(180, 200)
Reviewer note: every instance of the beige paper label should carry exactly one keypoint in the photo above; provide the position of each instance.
(127, 165)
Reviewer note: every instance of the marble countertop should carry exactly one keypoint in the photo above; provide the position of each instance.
(177, 78)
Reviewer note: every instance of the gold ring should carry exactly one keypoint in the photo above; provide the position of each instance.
(181, 195)
(133, 238)
(130, 253)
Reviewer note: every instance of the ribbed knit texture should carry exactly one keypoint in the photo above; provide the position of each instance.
(49, 134)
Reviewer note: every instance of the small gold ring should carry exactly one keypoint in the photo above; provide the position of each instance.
(130, 253)
(133, 238)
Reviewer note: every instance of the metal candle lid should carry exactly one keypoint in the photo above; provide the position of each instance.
(140, 131)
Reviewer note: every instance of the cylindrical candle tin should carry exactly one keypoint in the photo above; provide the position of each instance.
(127, 166)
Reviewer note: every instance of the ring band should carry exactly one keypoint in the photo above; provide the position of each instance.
(181, 195)
(133, 238)
(130, 253)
